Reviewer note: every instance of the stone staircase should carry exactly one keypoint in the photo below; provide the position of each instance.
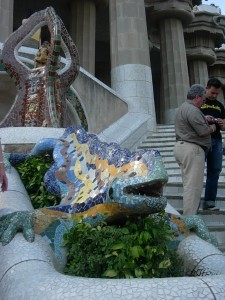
(164, 140)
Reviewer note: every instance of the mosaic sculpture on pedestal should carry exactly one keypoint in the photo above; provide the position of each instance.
(41, 91)
(96, 181)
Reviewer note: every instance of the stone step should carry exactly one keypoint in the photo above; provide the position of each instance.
(175, 176)
(170, 162)
(177, 203)
(165, 128)
(161, 143)
(176, 179)
(176, 188)
(173, 195)
(160, 149)
(166, 134)
(175, 170)
(157, 138)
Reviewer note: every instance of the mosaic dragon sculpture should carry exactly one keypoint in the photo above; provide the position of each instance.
(96, 181)
(41, 93)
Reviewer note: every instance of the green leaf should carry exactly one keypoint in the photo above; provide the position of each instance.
(128, 275)
(125, 230)
(108, 255)
(135, 251)
(138, 273)
(118, 246)
(145, 236)
(110, 273)
(165, 264)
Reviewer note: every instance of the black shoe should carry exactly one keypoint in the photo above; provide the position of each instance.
(210, 205)
(212, 208)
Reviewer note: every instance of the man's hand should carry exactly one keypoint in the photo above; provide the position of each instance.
(221, 122)
(209, 119)
(17, 221)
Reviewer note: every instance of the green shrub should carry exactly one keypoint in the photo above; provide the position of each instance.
(139, 249)
(32, 172)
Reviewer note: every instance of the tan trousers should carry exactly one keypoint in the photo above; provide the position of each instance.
(191, 159)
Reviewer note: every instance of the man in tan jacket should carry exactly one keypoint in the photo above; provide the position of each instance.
(193, 138)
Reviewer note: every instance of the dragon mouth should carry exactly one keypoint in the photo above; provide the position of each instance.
(139, 199)
(149, 189)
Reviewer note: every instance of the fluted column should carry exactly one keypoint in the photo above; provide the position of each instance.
(82, 30)
(202, 36)
(218, 70)
(6, 18)
(170, 17)
(198, 72)
(174, 67)
(131, 73)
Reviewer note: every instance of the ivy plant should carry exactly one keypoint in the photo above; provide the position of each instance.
(138, 249)
(32, 172)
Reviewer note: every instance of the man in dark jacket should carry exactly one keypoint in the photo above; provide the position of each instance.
(215, 114)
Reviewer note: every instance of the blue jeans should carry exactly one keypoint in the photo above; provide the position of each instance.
(214, 166)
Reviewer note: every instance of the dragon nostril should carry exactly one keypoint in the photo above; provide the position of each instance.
(111, 193)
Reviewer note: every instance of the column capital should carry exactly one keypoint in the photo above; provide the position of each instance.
(161, 9)
(209, 25)
(203, 35)
(201, 53)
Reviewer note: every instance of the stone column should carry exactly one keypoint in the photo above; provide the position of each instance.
(202, 36)
(198, 72)
(82, 31)
(131, 73)
(170, 16)
(218, 70)
(6, 18)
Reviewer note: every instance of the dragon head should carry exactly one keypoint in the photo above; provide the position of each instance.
(96, 177)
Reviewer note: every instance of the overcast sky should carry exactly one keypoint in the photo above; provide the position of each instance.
(220, 3)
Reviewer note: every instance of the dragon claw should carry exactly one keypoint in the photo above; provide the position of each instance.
(14, 222)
